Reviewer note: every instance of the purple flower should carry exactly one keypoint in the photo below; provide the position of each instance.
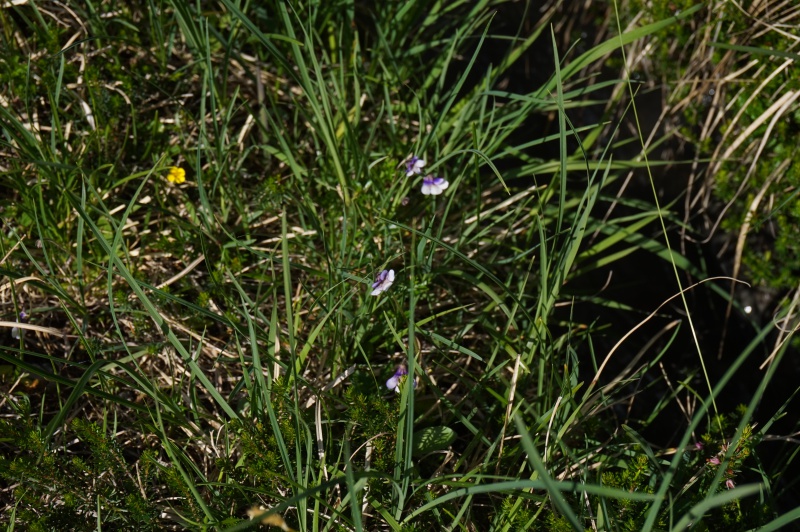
(382, 282)
(698, 446)
(433, 186)
(23, 318)
(414, 166)
(397, 379)
(394, 381)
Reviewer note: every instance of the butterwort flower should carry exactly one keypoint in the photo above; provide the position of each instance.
(414, 166)
(433, 186)
(382, 282)
(176, 175)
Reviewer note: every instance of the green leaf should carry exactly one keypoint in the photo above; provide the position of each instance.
(432, 439)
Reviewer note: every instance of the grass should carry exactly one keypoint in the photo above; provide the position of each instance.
(206, 355)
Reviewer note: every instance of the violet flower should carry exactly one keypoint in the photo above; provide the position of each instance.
(394, 381)
(382, 282)
(23, 318)
(433, 186)
(414, 166)
(397, 379)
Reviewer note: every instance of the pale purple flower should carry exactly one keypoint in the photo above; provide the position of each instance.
(414, 166)
(698, 446)
(382, 282)
(394, 381)
(433, 186)
(397, 379)
(729, 484)
(23, 318)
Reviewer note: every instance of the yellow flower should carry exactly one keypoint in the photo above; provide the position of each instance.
(176, 175)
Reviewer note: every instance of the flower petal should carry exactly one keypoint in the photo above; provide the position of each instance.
(382, 282)
(393, 383)
(433, 186)
(176, 175)
(414, 166)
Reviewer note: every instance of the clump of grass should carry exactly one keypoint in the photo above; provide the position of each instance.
(208, 347)
(736, 92)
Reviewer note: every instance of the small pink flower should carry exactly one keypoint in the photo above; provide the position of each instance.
(714, 460)
(698, 446)
(729, 484)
